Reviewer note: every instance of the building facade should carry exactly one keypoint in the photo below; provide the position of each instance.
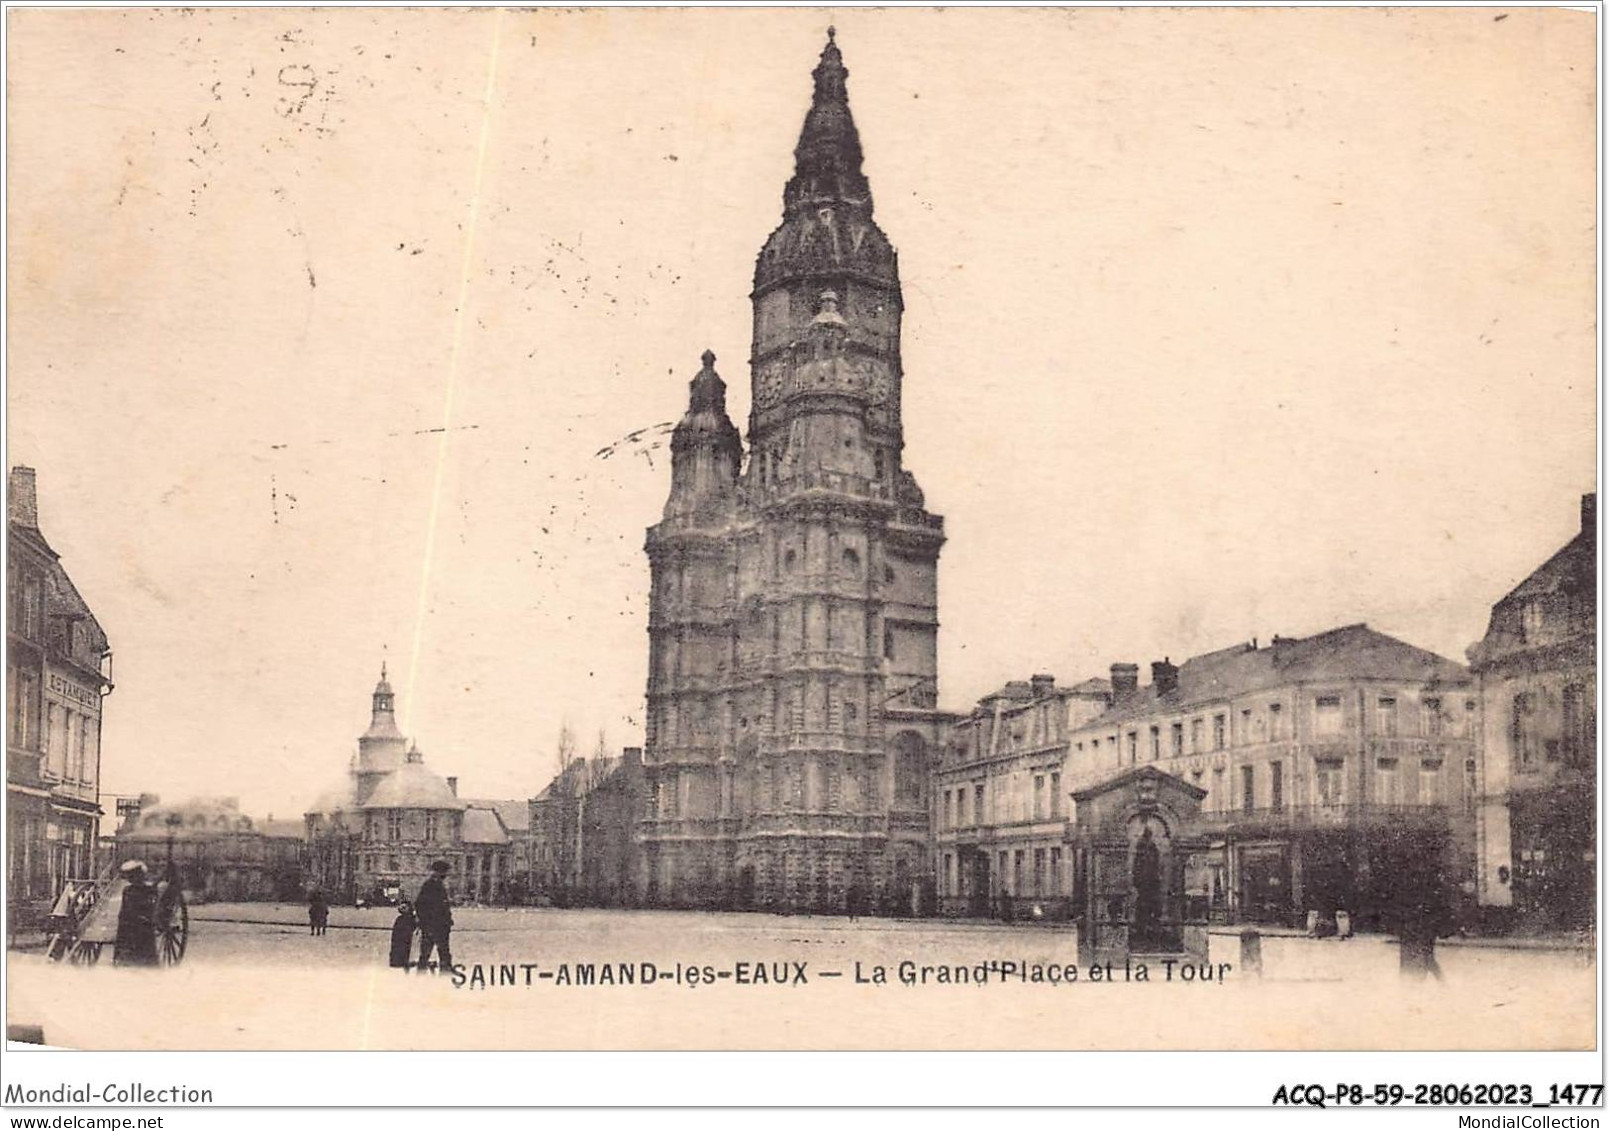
(1001, 824)
(501, 856)
(1329, 764)
(583, 833)
(58, 674)
(793, 621)
(610, 811)
(216, 851)
(488, 855)
(375, 835)
(1538, 671)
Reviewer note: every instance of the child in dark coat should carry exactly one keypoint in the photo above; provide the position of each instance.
(318, 913)
(402, 935)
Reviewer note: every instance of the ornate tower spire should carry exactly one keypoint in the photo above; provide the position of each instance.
(827, 158)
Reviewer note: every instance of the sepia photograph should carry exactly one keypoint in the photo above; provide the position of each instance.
(802, 529)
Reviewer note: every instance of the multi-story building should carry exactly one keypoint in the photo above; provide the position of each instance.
(554, 839)
(379, 830)
(1538, 672)
(793, 620)
(583, 832)
(58, 672)
(609, 812)
(216, 851)
(503, 846)
(1329, 763)
(1000, 825)
(488, 855)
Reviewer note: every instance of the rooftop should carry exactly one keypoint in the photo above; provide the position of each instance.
(1354, 651)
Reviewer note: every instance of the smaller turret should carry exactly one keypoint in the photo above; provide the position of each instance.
(380, 749)
(705, 450)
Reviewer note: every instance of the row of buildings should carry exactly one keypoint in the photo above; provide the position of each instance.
(1325, 766)
(214, 851)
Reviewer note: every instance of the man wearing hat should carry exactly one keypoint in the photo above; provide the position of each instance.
(136, 919)
(434, 912)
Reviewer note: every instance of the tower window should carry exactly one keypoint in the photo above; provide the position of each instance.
(790, 560)
(851, 561)
(888, 643)
(877, 464)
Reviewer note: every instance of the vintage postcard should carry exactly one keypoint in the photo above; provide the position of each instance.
(802, 529)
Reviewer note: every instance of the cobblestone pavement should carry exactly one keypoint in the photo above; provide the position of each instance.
(255, 978)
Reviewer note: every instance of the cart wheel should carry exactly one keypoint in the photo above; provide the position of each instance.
(84, 953)
(172, 928)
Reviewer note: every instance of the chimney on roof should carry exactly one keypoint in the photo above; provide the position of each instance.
(23, 498)
(1589, 512)
(1125, 681)
(452, 784)
(1043, 685)
(1164, 676)
(631, 755)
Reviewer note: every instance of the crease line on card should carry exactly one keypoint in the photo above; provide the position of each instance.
(452, 361)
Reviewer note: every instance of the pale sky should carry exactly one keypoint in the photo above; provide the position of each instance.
(1219, 324)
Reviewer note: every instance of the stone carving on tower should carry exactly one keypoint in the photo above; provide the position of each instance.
(793, 615)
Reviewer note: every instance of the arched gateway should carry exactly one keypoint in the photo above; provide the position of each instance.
(1133, 856)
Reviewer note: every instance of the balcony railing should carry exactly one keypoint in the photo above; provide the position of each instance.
(837, 482)
(800, 822)
(913, 516)
(1355, 814)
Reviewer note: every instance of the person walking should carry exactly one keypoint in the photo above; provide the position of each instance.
(434, 912)
(318, 913)
(136, 919)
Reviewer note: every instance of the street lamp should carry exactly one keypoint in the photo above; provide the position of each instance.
(174, 821)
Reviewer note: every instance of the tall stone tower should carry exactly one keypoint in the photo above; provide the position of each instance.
(793, 617)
